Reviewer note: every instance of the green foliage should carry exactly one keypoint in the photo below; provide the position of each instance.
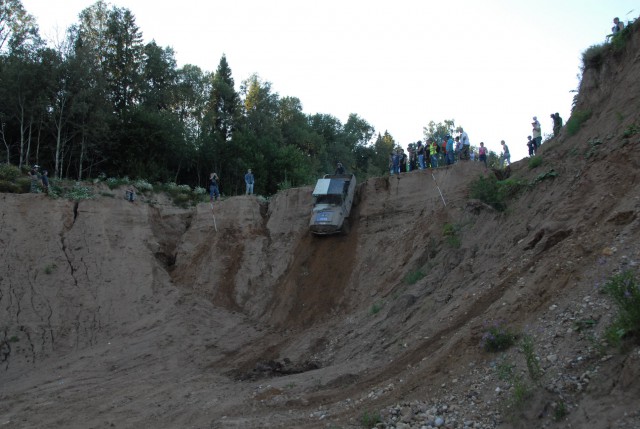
(593, 57)
(624, 290)
(14, 339)
(521, 392)
(9, 172)
(497, 338)
(143, 186)
(370, 419)
(116, 182)
(50, 268)
(631, 130)
(451, 236)
(487, 190)
(375, 308)
(544, 176)
(495, 192)
(181, 195)
(284, 185)
(584, 324)
(14, 188)
(414, 277)
(76, 192)
(533, 364)
(560, 411)
(534, 161)
(505, 370)
(576, 120)
(593, 147)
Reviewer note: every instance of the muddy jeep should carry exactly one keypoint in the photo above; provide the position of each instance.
(332, 200)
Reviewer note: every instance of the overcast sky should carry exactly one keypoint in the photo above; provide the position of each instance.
(491, 66)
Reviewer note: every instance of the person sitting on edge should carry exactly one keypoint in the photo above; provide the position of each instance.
(618, 26)
(130, 195)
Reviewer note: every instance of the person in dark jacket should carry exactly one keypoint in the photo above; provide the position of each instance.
(214, 192)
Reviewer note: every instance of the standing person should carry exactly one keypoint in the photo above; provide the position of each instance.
(537, 133)
(340, 168)
(482, 154)
(450, 155)
(396, 161)
(45, 181)
(433, 154)
(413, 158)
(531, 146)
(506, 156)
(420, 150)
(214, 192)
(33, 175)
(403, 160)
(557, 123)
(249, 181)
(464, 138)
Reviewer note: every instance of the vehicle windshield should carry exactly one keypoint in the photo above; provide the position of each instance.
(329, 199)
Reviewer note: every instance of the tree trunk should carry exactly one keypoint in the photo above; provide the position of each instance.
(82, 143)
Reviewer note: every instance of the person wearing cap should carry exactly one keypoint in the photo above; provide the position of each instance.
(249, 180)
(33, 175)
(536, 133)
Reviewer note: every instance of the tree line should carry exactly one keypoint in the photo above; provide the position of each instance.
(101, 101)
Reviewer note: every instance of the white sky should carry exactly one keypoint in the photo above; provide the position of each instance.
(491, 65)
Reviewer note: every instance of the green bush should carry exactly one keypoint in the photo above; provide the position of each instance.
(10, 187)
(9, 172)
(535, 161)
(142, 185)
(624, 290)
(414, 277)
(376, 307)
(369, 420)
(576, 120)
(450, 233)
(497, 338)
(487, 190)
(113, 182)
(593, 57)
(495, 192)
(533, 365)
